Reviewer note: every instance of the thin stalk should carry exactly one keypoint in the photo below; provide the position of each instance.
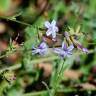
(50, 58)
(59, 72)
(17, 66)
(14, 20)
(48, 90)
(41, 93)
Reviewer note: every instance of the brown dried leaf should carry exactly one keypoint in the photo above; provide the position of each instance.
(47, 67)
(41, 4)
(3, 46)
(72, 74)
(88, 86)
(2, 27)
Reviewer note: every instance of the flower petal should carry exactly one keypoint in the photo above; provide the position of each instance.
(85, 50)
(68, 55)
(35, 51)
(48, 32)
(64, 46)
(60, 52)
(54, 39)
(33, 48)
(43, 45)
(57, 51)
(53, 34)
(47, 24)
(56, 29)
(79, 46)
(70, 48)
(43, 51)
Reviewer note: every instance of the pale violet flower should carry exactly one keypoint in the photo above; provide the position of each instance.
(51, 29)
(41, 49)
(66, 34)
(85, 50)
(64, 51)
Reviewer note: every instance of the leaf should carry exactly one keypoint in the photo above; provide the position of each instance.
(78, 29)
(47, 67)
(72, 74)
(92, 7)
(71, 31)
(4, 5)
(31, 37)
(14, 92)
(14, 16)
(88, 86)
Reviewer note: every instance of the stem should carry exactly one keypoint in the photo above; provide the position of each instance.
(14, 20)
(10, 52)
(47, 88)
(17, 66)
(68, 90)
(91, 43)
(41, 93)
(59, 72)
(22, 49)
(62, 67)
(50, 58)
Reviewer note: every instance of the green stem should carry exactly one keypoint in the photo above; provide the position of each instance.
(59, 73)
(42, 93)
(61, 69)
(50, 58)
(22, 49)
(47, 88)
(17, 66)
(14, 20)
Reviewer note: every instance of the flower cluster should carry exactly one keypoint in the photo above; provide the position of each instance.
(64, 51)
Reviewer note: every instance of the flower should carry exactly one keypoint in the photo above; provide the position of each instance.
(85, 50)
(41, 49)
(75, 42)
(66, 34)
(52, 28)
(64, 51)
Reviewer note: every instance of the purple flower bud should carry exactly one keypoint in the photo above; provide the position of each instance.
(41, 49)
(52, 28)
(85, 50)
(64, 51)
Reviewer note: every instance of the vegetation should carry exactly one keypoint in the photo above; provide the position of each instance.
(47, 47)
